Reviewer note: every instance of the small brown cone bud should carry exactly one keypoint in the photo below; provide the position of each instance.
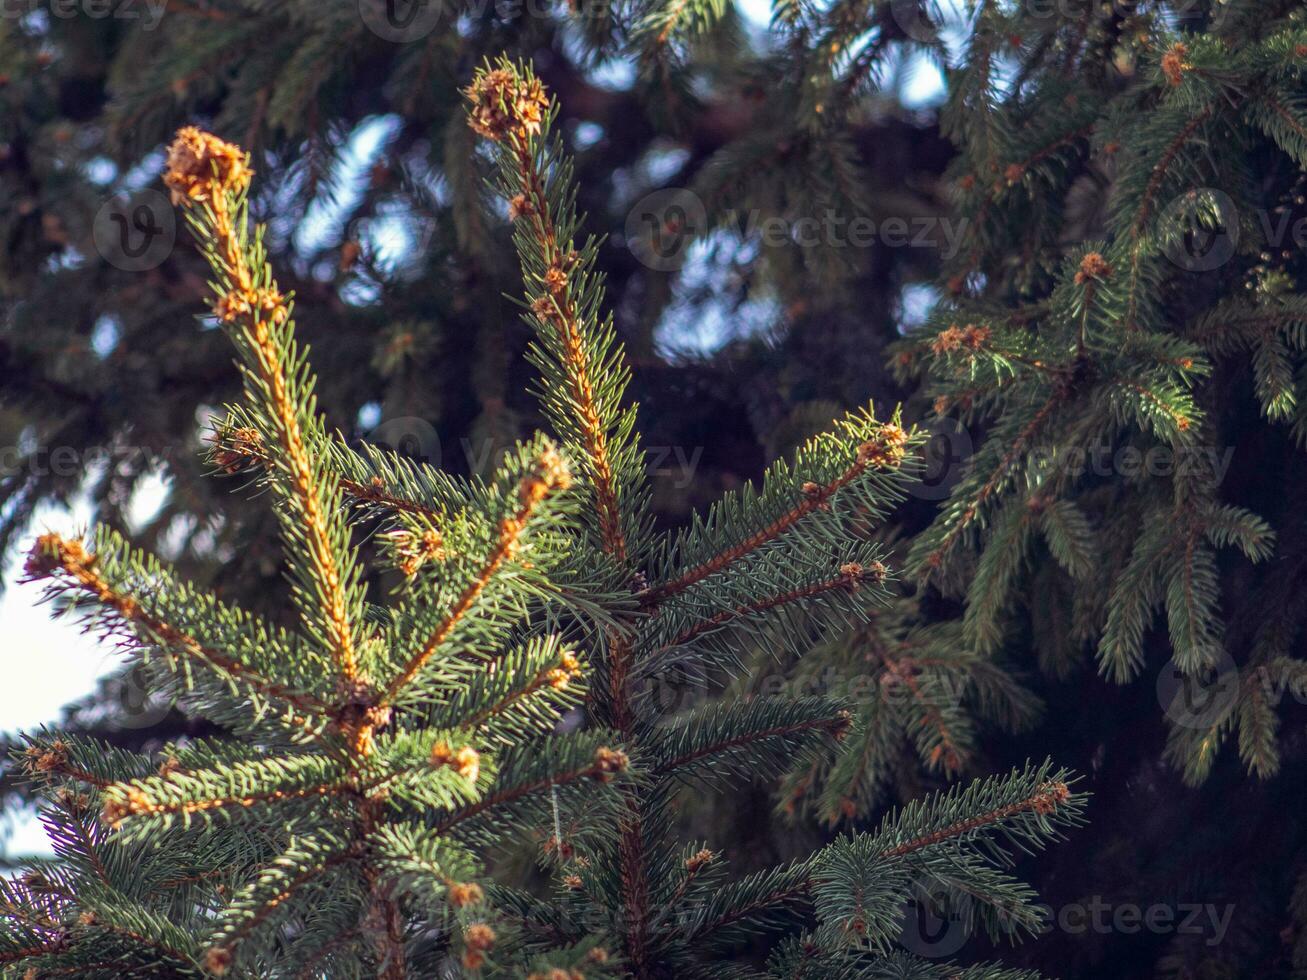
(479, 936)
(1093, 266)
(608, 762)
(1174, 65)
(503, 103)
(886, 450)
(696, 862)
(203, 167)
(217, 960)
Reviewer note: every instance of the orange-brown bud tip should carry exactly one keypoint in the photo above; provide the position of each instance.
(203, 167)
(886, 449)
(464, 893)
(695, 862)
(1093, 266)
(609, 762)
(1174, 65)
(217, 960)
(503, 103)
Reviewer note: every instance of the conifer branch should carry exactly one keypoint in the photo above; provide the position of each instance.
(55, 555)
(376, 493)
(605, 764)
(311, 969)
(947, 750)
(1143, 210)
(126, 800)
(211, 178)
(550, 476)
(1046, 800)
(936, 557)
(799, 890)
(850, 577)
(509, 106)
(1280, 110)
(14, 955)
(887, 449)
(835, 725)
(239, 448)
(1050, 798)
(219, 956)
(556, 677)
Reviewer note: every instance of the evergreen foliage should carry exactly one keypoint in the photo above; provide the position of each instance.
(1104, 367)
(360, 143)
(387, 748)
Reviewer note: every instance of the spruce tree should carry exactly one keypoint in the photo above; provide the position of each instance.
(1109, 370)
(1120, 335)
(386, 748)
(314, 92)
